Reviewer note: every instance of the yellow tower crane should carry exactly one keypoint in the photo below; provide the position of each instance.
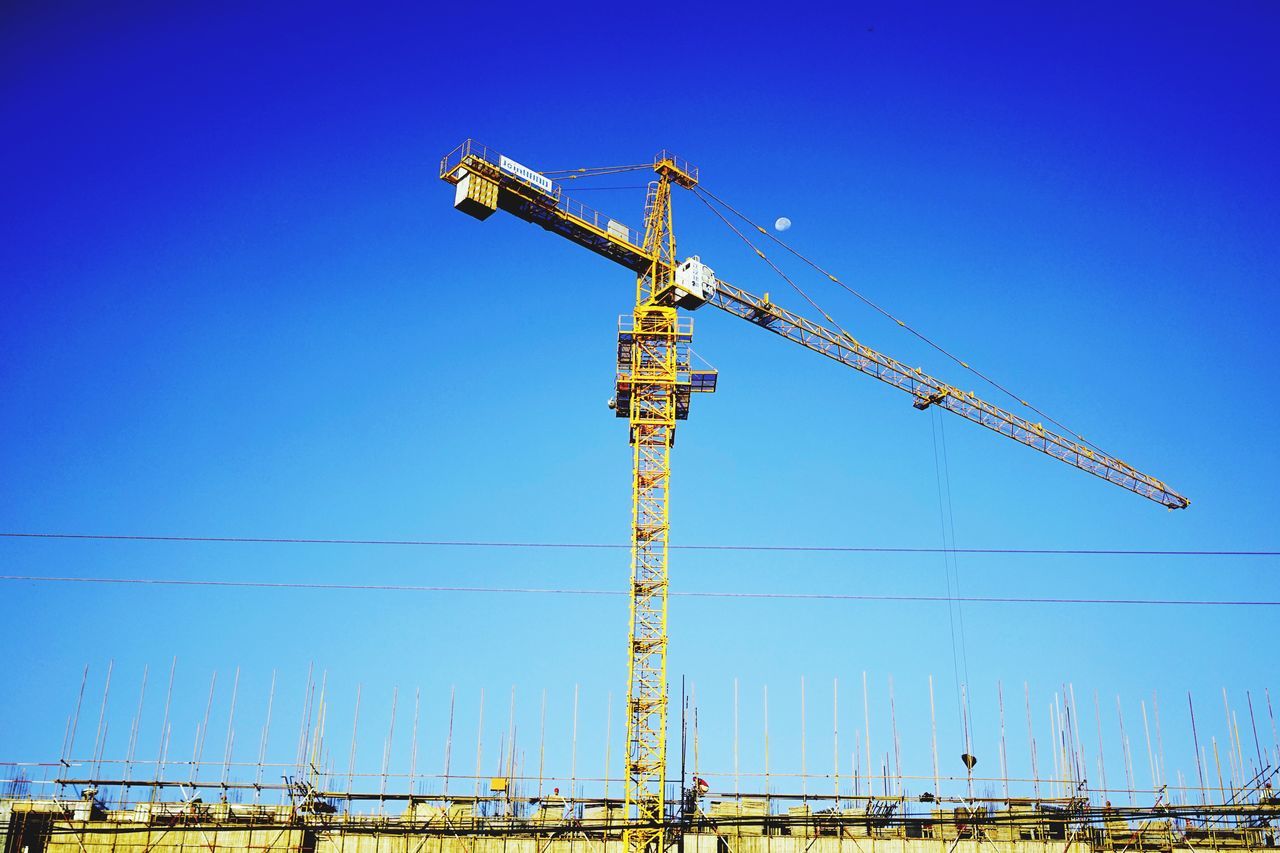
(655, 381)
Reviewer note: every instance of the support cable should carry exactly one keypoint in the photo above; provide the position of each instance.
(591, 172)
(775, 268)
(577, 190)
(700, 189)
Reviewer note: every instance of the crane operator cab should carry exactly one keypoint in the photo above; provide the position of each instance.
(695, 283)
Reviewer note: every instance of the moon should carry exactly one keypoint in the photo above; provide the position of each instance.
(782, 224)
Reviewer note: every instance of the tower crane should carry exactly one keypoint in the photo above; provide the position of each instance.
(654, 386)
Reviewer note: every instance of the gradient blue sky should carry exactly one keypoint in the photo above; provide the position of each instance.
(238, 303)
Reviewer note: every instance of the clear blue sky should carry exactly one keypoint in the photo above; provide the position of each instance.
(238, 303)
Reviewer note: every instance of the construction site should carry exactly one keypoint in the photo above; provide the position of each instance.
(601, 428)
(660, 795)
(137, 806)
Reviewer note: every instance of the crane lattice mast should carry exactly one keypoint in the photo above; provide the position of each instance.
(655, 381)
(653, 356)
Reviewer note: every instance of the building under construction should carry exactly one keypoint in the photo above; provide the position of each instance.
(311, 803)
(313, 820)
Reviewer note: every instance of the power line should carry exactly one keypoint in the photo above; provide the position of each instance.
(467, 543)
(801, 596)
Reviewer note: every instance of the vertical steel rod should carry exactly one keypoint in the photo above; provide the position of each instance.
(1253, 724)
(479, 745)
(835, 739)
(163, 749)
(202, 730)
(933, 738)
(542, 743)
(1155, 711)
(1128, 757)
(897, 751)
(262, 743)
(608, 743)
(355, 735)
(448, 743)
(1004, 760)
(99, 737)
(391, 734)
(804, 768)
(573, 756)
(68, 752)
(1102, 755)
(1031, 741)
(1151, 759)
(866, 720)
(766, 743)
(133, 731)
(737, 787)
(413, 749)
(231, 732)
(1195, 741)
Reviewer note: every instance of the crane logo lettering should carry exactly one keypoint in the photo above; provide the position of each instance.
(524, 173)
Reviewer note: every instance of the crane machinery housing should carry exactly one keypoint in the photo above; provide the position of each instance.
(654, 387)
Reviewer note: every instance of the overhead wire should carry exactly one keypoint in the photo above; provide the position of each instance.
(799, 596)
(700, 190)
(473, 543)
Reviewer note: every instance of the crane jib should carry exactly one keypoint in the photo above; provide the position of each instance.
(929, 391)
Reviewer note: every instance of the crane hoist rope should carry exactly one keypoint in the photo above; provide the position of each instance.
(702, 190)
(655, 381)
(950, 566)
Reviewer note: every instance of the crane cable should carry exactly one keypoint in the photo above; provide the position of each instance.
(591, 171)
(702, 190)
(577, 190)
(775, 268)
(951, 572)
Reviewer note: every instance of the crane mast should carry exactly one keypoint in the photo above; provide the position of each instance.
(654, 383)
(652, 356)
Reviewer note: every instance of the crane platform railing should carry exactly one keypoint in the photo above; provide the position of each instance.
(685, 173)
